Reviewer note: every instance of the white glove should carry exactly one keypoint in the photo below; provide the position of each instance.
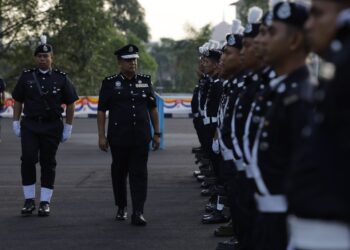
(67, 132)
(16, 126)
(215, 146)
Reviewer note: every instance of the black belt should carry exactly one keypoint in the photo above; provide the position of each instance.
(41, 118)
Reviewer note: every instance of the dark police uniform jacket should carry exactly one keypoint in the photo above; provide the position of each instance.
(231, 90)
(257, 111)
(213, 96)
(128, 103)
(281, 131)
(242, 108)
(318, 185)
(56, 87)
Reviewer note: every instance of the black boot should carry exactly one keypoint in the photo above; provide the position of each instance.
(121, 214)
(137, 219)
(44, 209)
(28, 207)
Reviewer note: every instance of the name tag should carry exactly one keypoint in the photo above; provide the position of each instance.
(141, 85)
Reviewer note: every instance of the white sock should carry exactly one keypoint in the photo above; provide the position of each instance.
(219, 206)
(29, 191)
(46, 194)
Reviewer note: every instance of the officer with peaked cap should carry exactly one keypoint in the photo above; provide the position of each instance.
(41, 92)
(279, 130)
(131, 102)
(318, 187)
(231, 72)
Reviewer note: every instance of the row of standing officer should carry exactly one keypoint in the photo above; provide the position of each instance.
(288, 159)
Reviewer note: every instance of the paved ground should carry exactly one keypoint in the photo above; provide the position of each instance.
(82, 207)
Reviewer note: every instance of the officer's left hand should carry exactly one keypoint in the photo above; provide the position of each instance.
(67, 132)
(156, 142)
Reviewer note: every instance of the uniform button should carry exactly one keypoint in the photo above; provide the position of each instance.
(133, 106)
(134, 115)
(264, 146)
(130, 85)
(131, 92)
(133, 99)
(115, 123)
(134, 123)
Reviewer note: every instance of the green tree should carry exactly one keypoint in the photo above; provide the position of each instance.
(178, 60)
(129, 16)
(84, 35)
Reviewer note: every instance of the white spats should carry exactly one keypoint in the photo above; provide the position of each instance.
(46, 194)
(29, 191)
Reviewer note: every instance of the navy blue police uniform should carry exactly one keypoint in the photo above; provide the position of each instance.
(129, 102)
(42, 126)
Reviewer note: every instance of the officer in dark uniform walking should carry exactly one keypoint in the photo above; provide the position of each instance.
(318, 189)
(131, 102)
(2, 99)
(40, 92)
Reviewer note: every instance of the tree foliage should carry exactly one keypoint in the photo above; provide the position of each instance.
(178, 60)
(84, 34)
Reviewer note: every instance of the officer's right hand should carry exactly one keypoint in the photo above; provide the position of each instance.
(103, 143)
(16, 126)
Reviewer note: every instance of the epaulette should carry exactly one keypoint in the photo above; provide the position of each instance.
(28, 70)
(144, 75)
(61, 72)
(111, 77)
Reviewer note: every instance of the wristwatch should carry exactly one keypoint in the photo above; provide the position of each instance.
(158, 134)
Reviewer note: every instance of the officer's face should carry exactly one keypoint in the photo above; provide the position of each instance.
(277, 48)
(230, 61)
(260, 41)
(209, 66)
(321, 25)
(248, 56)
(127, 66)
(44, 60)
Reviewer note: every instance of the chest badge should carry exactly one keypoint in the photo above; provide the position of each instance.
(118, 85)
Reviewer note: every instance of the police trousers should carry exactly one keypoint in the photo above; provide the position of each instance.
(270, 231)
(130, 161)
(40, 140)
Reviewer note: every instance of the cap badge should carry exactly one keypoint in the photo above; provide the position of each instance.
(249, 28)
(231, 40)
(45, 49)
(269, 19)
(284, 11)
(131, 49)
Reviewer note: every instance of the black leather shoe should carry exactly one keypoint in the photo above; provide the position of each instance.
(206, 192)
(224, 231)
(214, 218)
(44, 209)
(196, 173)
(231, 244)
(210, 207)
(28, 207)
(137, 219)
(121, 214)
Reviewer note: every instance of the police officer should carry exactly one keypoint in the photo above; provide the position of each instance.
(41, 92)
(2, 99)
(279, 130)
(318, 188)
(130, 100)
